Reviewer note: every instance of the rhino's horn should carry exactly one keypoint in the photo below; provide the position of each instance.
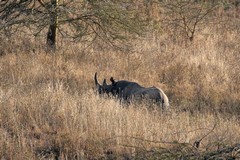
(96, 81)
(104, 82)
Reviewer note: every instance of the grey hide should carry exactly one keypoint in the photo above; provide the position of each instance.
(132, 91)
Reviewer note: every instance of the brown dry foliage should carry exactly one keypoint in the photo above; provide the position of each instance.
(48, 108)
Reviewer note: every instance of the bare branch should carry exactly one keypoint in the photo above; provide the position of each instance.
(197, 142)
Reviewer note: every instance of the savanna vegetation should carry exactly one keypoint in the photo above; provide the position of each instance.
(50, 110)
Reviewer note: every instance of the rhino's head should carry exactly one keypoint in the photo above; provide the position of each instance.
(104, 88)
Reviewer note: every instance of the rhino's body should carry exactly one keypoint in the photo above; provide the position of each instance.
(129, 91)
(132, 91)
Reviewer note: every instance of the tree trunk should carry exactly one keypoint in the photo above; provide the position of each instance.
(52, 31)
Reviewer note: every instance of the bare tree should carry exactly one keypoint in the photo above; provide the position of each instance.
(186, 16)
(79, 20)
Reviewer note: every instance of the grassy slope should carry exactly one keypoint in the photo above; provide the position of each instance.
(48, 107)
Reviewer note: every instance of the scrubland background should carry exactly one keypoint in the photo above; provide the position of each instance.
(50, 110)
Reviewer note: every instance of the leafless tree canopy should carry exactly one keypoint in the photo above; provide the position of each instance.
(76, 19)
(186, 15)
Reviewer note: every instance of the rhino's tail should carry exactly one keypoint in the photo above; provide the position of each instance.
(165, 100)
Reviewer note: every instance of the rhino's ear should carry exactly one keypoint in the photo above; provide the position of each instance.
(112, 80)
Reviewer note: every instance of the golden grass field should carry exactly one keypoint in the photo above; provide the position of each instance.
(49, 109)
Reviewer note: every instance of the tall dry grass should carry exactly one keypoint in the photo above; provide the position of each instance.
(48, 108)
